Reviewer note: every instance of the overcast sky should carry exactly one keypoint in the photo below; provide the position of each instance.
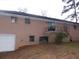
(53, 8)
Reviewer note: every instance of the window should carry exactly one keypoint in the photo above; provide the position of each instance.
(32, 38)
(75, 26)
(66, 27)
(27, 20)
(43, 39)
(51, 26)
(13, 19)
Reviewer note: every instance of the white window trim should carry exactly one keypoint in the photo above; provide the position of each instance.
(13, 19)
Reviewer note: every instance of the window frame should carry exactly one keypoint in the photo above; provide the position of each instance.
(27, 20)
(13, 19)
(51, 26)
(75, 26)
(31, 38)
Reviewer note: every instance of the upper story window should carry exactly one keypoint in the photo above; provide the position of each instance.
(51, 26)
(27, 20)
(65, 27)
(75, 26)
(13, 19)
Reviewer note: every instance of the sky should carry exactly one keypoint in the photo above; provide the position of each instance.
(52, 8)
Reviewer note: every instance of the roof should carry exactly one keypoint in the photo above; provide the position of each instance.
(32, 15)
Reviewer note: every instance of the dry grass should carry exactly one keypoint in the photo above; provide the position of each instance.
(45, 51)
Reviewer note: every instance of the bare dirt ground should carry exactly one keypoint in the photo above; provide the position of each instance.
(45, 51)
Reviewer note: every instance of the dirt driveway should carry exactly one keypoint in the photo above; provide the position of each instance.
(45, 51)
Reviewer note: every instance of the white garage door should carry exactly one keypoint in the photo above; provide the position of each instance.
(7, 42)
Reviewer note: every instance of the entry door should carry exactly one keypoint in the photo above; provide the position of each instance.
(7, 42)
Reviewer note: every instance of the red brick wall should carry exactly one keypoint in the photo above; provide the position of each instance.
(22, 30)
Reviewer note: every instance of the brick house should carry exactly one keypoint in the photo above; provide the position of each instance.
(18, 29)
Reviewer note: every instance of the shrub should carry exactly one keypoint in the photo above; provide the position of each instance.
(59, 37)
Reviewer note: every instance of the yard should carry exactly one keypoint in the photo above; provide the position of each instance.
(45, 51)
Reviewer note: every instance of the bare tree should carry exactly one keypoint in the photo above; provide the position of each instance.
(22, 10)
(43, 12)
(71, 5)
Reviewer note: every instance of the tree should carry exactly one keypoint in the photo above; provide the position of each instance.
(43, 12)
(22, 10)
(71, 5)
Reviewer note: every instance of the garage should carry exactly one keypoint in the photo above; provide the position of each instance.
(7, 42)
